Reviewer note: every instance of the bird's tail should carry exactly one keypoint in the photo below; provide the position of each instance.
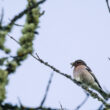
(104, 94)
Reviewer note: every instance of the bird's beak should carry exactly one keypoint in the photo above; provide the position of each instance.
(72, 64)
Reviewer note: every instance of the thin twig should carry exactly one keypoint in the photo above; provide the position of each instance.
(61, 106)
(8, 106)
(47, 89)
(14, 39)
(35, 32)
(107, 2)
(93, 94)
(18, 25)
(42, 13)
(19, 101)
(83, 102)
(20, 104)
(101, 107)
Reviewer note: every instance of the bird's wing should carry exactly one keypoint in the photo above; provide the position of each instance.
(90, 71)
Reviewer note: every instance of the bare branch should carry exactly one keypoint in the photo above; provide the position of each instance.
(21, 105)
(101, 107)
(14, 39)
(42, 13)
(35, 32)
(83, 102)
(18, 25)
(47, 89)
(61, 106)
(107, 2)
(93, 94)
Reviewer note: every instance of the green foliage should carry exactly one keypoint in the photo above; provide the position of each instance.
(31, 24)
(3, 82)
(11, 66)
(2, 41)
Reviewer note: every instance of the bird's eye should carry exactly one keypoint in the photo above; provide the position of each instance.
(78, 62)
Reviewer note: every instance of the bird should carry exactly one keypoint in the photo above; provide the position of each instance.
(83, 74)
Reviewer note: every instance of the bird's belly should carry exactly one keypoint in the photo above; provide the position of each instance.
(84, 78)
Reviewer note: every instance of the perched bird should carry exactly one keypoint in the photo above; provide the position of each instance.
(83, 74)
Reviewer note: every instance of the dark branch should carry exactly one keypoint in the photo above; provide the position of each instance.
(107, 2)
(21, 105)
(61, 106)
(8, 106)
(18, 25)
(47, 89)
(93, 94)
(83, 102)
(35, 32)
(101, 107)
(25, 11)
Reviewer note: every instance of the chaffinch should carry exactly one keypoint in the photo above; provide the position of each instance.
(83, 74)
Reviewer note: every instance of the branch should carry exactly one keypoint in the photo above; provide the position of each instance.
(47, 89)
(101, 107)
(18, 25)
(83, 102)
(35, 32)
(25, 11)
(107, 2)
(93, 94)
(8, 106)
(61, 106)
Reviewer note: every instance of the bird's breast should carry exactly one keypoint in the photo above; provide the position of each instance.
(82, 75)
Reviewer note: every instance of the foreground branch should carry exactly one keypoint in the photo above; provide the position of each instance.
(47, 89)
(107, 2)
(83, 102)
(93, 94)
(8, 106)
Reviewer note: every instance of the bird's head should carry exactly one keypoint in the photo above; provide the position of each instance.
(78, 62)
